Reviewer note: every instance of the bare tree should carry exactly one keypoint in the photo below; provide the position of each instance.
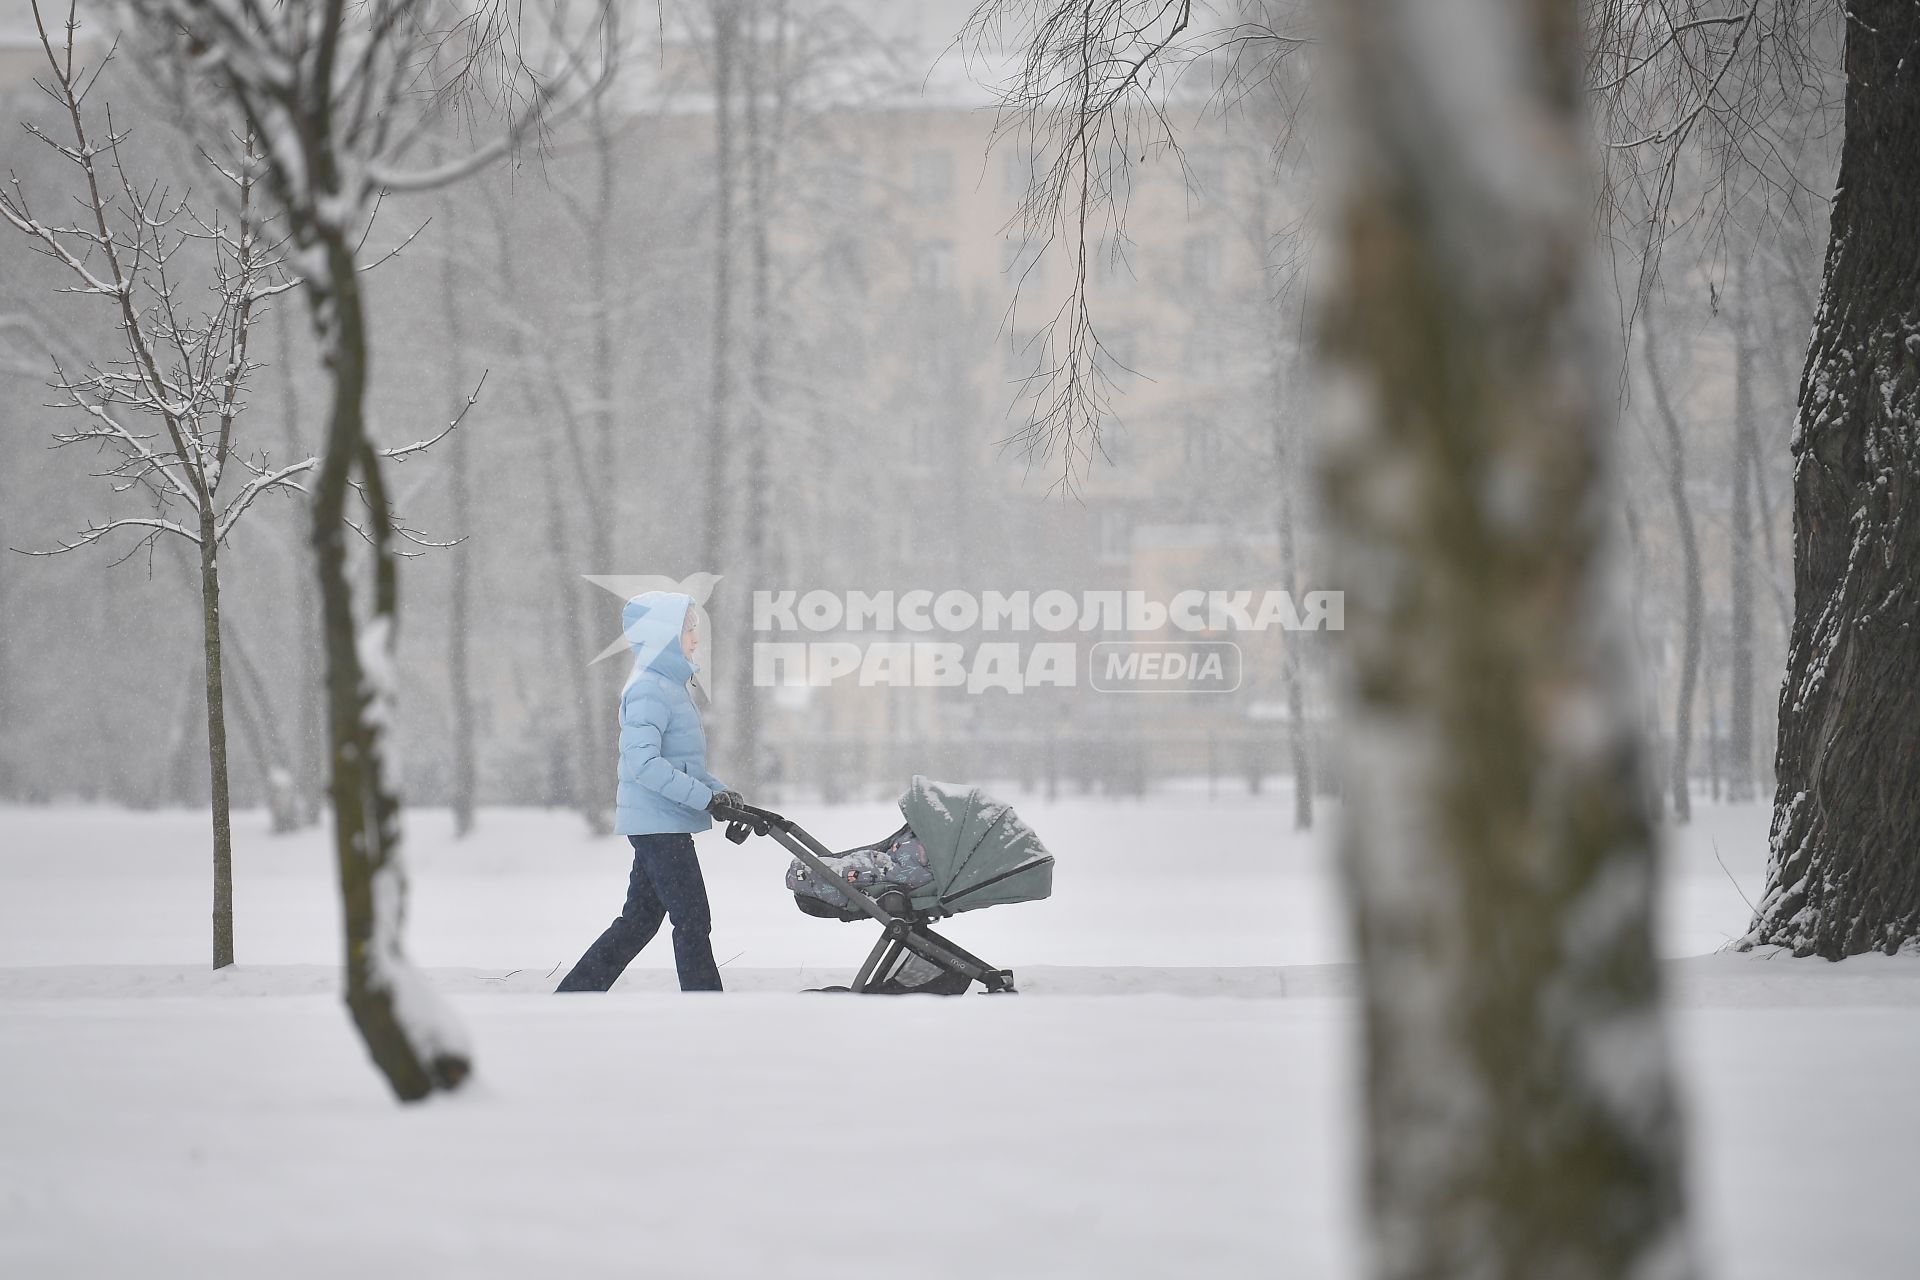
(1693, 595)
(341, 95)
(1842, 876)
(165, 410)
(573, 481)
(460, 607)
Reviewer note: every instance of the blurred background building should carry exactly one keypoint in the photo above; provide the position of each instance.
(856, 424)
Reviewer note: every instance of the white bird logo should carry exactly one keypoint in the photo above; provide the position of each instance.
(628, 585)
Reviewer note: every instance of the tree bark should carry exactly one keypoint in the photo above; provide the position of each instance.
(412, 1041)
(1521, 1120)
(1693, 595)
(1843, 873)
(216, 743)
(1286, 454)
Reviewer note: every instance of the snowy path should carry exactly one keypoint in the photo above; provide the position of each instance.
(692, 1137)
(1119, 1118)
(1172, 881)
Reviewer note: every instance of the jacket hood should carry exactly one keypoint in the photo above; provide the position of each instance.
(652, 621)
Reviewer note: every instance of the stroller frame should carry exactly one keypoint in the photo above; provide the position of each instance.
(906, 928)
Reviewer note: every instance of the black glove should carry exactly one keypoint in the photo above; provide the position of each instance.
(725, 800)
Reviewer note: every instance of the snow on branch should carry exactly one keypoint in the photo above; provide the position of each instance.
(1726, 95)
(181, 373)
(1088, 89)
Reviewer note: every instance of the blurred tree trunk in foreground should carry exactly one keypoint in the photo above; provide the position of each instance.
(1844, 874)
(1521, 1118)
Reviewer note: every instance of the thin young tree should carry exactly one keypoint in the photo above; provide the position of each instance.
(166, 409)
(1692, 589)
(342, 95)
(767, 83)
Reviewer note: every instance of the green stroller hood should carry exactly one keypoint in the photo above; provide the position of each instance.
(980, 852)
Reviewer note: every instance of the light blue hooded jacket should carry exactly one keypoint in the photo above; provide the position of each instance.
(664, 783)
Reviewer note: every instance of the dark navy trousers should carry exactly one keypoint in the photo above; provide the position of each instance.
(665, 883)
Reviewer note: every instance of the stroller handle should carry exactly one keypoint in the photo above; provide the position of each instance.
(744, 820)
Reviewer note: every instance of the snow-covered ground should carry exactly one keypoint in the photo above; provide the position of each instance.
(1176, 880)
(157, 1119)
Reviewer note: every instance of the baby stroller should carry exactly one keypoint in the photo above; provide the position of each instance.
(960, 850)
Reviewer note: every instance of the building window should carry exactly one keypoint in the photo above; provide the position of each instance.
(932, 177)
(1119, 352)
(1021, 171)
(1202, 259)
(1113, 536)
(845, 264)
(1202, 441)
(1207, 173)
(1023, 263)
(933, 265)
(1206, 353)
(1022, 357)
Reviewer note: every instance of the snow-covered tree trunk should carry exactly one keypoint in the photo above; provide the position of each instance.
(1520, 1113)
(404, 1023)
(718, 445)
(1844, 871)
(164, 406)
(765, 87)
(310, 728)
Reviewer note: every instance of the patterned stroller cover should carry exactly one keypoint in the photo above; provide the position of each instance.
(960, 850)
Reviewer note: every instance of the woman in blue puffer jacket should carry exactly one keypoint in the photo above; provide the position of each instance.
(665, 793)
